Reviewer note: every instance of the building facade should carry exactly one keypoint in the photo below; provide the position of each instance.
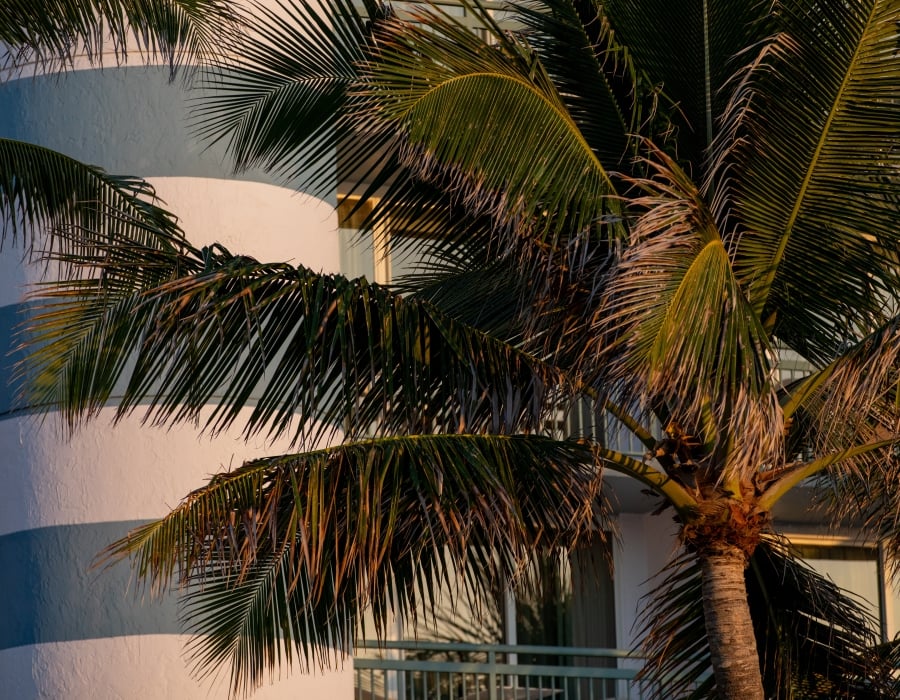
(73, 631)
(70, 630)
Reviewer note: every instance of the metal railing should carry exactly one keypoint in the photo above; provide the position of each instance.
(455, 671)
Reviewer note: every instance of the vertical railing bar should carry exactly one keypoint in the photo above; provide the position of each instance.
(492, 675)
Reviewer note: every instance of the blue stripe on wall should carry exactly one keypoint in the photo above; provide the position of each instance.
(51, 593)
(128, 120)
(11, 393)
(10, 317)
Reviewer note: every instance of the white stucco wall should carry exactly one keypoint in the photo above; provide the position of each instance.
(62, 499)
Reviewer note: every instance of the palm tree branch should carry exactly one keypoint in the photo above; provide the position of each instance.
(806, 389)
(309, 352)
(824, 137)
(660, 482)
(828, 149)
(688, 51)
(281, 97)
(795, 475)
(434, 86)
(313, 538)
(178, 31)
(674, 282)
(627, 419)
(49, 198)
(579, 52)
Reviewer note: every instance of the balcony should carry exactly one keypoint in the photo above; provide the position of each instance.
(411, 670)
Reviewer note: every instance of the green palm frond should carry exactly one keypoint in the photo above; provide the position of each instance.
(673, 285)
(815, 639)
(576, 47)
(281, 100)
(448, 284)
(842, 427)
(262, 624)
(854, 403)
(44, 192)
(312, 353)
(809, 160)
(280, 555)
(853, 400)
(53, 33)
(689, 49)
(289, 100)
(449, 94)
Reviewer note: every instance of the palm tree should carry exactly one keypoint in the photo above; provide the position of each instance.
(42, 191)
(656, 200)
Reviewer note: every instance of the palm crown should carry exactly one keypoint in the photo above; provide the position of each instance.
(660, 199)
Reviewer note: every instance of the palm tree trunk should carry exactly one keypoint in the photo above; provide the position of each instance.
(728, 625)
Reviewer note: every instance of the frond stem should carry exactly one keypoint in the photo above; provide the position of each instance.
(792, 477)
(660, 482)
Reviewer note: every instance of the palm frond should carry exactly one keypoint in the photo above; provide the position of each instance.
(281, 99)
(854, 404)
(575, 45)
(43, 192)
(808, 165)
(280, 555)
(672, 287)
(52, 34)
(856, 400)
(815, 640)
(449, 94)
(844, 421)
(688, 49)
(311, 353)
(448, 284)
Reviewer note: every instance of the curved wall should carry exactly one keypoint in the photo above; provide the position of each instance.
(71, 631)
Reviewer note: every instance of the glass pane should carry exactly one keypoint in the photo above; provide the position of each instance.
(892, 610)
(854, 569)
(357, 256)
(567, 602)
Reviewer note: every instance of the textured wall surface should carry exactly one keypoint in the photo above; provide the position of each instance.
(71, 631)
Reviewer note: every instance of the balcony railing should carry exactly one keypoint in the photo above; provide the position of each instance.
(455, 671)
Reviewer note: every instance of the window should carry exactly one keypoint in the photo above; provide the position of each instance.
(860, 569)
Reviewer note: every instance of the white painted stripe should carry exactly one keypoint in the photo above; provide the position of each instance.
(105, 473)
(148, 667)
(267, 222)
(270, 223)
